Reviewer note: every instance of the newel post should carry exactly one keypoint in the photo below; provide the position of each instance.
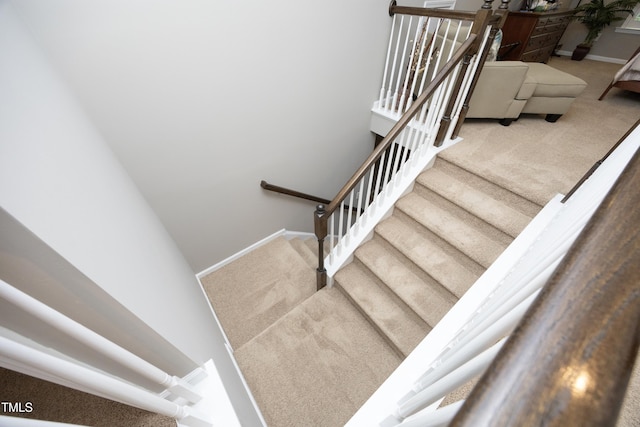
(320, 226)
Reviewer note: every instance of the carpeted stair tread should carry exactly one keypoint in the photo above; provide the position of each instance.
(495, 212)
(305, 251)
(495, 191)
(428, 299)
(480, 244)
(316, 365)
(390, 316)
(266, 283)
(454, 270)
(312, 244)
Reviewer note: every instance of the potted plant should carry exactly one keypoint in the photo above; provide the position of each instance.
(596, 15)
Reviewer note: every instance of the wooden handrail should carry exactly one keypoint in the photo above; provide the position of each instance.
(293, 193)
(569, 361)
(287, 191)
(597, 164)
(462, 15)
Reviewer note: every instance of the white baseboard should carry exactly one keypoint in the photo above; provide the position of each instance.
(298, 235)
(595, 57)
(287, 234)
(241, 253)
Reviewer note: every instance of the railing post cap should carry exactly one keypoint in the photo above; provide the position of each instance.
(488, 4)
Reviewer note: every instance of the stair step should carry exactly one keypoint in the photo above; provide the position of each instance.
(391, 317)
(310, 360)
(427, 298)
(449, 267)
(257, 289)
(495, 191)
(455, 185)
(306, 251)
(473, 237)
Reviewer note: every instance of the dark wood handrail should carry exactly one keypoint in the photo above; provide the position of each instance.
(463, 15)
(569, 361)
(287, 191)
(597, 164)
(400, 125)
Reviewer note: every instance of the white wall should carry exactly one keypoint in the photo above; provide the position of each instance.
(60, 181)
(201, 100)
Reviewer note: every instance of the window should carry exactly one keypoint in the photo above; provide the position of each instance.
(632, 23)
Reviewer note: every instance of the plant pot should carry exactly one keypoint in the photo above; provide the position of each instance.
(580, 52)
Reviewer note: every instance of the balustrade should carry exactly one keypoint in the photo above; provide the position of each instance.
(432, 59)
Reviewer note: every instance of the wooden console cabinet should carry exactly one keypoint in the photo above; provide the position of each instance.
(532, 36)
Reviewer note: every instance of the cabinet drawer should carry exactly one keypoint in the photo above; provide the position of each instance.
(555, 27)
(543, 40)
(556, 19)
(538, 55)
(554, 38)
(537, 42)
(538, 29)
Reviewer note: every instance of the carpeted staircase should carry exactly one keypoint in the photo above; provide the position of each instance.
(313, 358)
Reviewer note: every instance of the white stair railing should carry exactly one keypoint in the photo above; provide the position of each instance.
(432, 58)
(107, 348)
(419, 46)
(176, 401)
(460, 344)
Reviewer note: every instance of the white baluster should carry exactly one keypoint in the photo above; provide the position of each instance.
(403, 92)
(97, 382)
(379, 173)
(389, 165)
(439, 418)
(332, 237)
(423, 30)
(391, 102)
(361, 196)
(451, 381)
(386, 63)
(96, 342)
(369, 195)
(458, 352)
(341, 224)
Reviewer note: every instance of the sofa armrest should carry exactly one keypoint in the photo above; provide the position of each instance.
(500, 86)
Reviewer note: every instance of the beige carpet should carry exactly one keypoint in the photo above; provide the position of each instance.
(316, 364)
(250, 294)
(537, 159)
(52, 402)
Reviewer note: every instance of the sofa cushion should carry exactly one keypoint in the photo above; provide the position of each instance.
(550, 82)
(497, 91)
(528, 88)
